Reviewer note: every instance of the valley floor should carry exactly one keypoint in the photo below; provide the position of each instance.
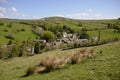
(105, 65)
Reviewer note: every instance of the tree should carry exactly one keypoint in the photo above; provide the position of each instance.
(48, 36)
(83, 34)
(36, 48)
(17, 50)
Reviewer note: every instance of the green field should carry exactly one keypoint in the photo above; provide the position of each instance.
(102, 66)
(105, 34)
(15, 30)
(53, 21)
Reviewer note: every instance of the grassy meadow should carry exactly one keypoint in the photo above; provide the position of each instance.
(105, 34)
(92, 25)
(102, 66)
(15, 30)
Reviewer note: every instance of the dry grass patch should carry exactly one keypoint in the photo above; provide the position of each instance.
(81, 54)
(47, 64)
(77, 56)
(50, 63)
(29, 71)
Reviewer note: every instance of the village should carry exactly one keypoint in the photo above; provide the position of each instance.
(66, 39)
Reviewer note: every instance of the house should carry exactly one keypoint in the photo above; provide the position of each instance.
(65, 40)
(41, 40)
(64, 35)
(69, 35)
(74, 36)
(94, 38)
(83, 40)
(29, 50)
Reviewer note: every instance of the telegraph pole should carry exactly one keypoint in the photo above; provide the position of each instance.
(99, 36)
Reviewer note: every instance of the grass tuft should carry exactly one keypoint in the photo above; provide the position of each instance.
(51, 63)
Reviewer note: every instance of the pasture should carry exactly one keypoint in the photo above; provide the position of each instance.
(102, 66)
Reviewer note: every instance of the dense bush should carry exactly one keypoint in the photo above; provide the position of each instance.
(23, 29)
(17, 50)
(48, 36)
(10, 36)
(5, 52)
(83, 34)
(5, 30)
(37, 48)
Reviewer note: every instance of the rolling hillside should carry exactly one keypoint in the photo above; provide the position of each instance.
(102, 66)
(25, 27)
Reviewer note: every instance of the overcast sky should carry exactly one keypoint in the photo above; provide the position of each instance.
(76, 9)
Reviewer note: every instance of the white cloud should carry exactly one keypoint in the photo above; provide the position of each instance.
(76, 15)
(3, 10)
(14, 9)
(5, 1)
(2, 15)
(60, 15)
(88, 16)
(23, 16)
(98, 15)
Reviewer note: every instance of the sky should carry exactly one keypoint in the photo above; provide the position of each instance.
(75, 9)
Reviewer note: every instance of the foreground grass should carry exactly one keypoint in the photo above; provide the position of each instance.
(103, 66)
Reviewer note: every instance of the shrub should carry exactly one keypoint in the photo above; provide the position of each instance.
(23, 29)
(5, 30)
(82, 51)
(81, 54)
(5, 52)
(76, 57)
(10, 36)
(91, 52)
(48, 36)
(30, 71)
(76, 45)
(116, 39)
(84, 34)
(51, 63)
(37, 47)
(17, 50)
